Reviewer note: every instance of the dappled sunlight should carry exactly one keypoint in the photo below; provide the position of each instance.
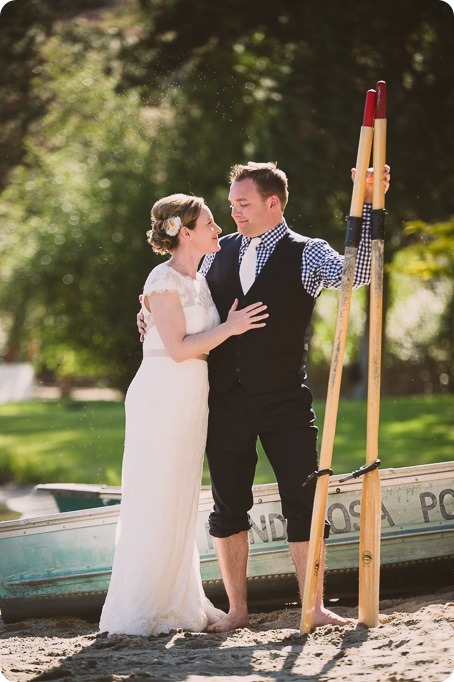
(413, 321)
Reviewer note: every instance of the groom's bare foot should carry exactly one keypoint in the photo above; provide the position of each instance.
(323, 616)
(231, 621)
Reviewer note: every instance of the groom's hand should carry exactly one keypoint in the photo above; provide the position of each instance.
(141, 326)
(368, 193)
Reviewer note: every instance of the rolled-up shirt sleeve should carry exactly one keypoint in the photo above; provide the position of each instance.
(321, 265)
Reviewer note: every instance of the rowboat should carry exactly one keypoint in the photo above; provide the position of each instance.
(75, 496)
(60, 564)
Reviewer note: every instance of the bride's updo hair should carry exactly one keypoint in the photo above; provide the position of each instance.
(168, 215)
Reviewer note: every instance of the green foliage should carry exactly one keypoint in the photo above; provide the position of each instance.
(430, 251)
(25, 27)
(66, 441)
(324, 325)
(287, 82)
(420, 324)
(74, 255)
(108, 106)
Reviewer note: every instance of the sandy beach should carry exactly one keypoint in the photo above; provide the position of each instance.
(414, 641)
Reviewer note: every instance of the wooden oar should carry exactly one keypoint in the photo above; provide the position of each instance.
(353, 236)
(370, 521)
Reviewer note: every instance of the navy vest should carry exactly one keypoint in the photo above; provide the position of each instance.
(272, 357)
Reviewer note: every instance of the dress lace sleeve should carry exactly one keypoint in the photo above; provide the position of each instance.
(163, 279)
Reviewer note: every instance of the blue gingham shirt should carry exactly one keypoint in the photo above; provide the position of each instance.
(321, 265)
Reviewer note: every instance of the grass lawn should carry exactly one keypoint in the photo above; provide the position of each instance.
(82, 442)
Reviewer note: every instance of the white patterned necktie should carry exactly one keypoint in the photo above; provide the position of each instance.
(249, 265)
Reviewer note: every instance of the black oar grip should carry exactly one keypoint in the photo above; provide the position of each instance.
(361, 471)
(317, 474)
(378, 223)
(353, 234)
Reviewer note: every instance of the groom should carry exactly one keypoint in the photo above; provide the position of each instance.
(257, 380)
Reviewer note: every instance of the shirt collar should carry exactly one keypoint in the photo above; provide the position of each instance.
(271, 237)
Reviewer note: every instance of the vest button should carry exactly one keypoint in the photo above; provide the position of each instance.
(238, 352)
(238, 370)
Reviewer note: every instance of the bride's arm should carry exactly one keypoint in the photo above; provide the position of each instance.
(168, 316)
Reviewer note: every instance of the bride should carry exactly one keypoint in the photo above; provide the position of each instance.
(156, 584)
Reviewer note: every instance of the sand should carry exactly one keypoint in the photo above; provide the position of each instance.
(414, 641)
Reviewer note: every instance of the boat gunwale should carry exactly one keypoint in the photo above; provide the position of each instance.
(72, 489)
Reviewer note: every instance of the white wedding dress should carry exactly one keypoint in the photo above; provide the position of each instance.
(156, 585)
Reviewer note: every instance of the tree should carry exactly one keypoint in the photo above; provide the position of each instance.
(286, 81)
(25, 27)
(74, 254)
(106, 112)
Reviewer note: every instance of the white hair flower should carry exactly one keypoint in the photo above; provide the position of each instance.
(172, 226)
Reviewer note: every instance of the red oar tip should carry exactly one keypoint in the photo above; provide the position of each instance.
(369, 109)
(380, 108)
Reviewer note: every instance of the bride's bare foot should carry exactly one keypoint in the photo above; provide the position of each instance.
(116, 635)
(323, 616)
(231, 621)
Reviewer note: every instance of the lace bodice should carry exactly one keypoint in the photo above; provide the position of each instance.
(198, 307)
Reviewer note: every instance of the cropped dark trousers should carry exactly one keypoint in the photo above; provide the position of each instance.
(284, 422)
